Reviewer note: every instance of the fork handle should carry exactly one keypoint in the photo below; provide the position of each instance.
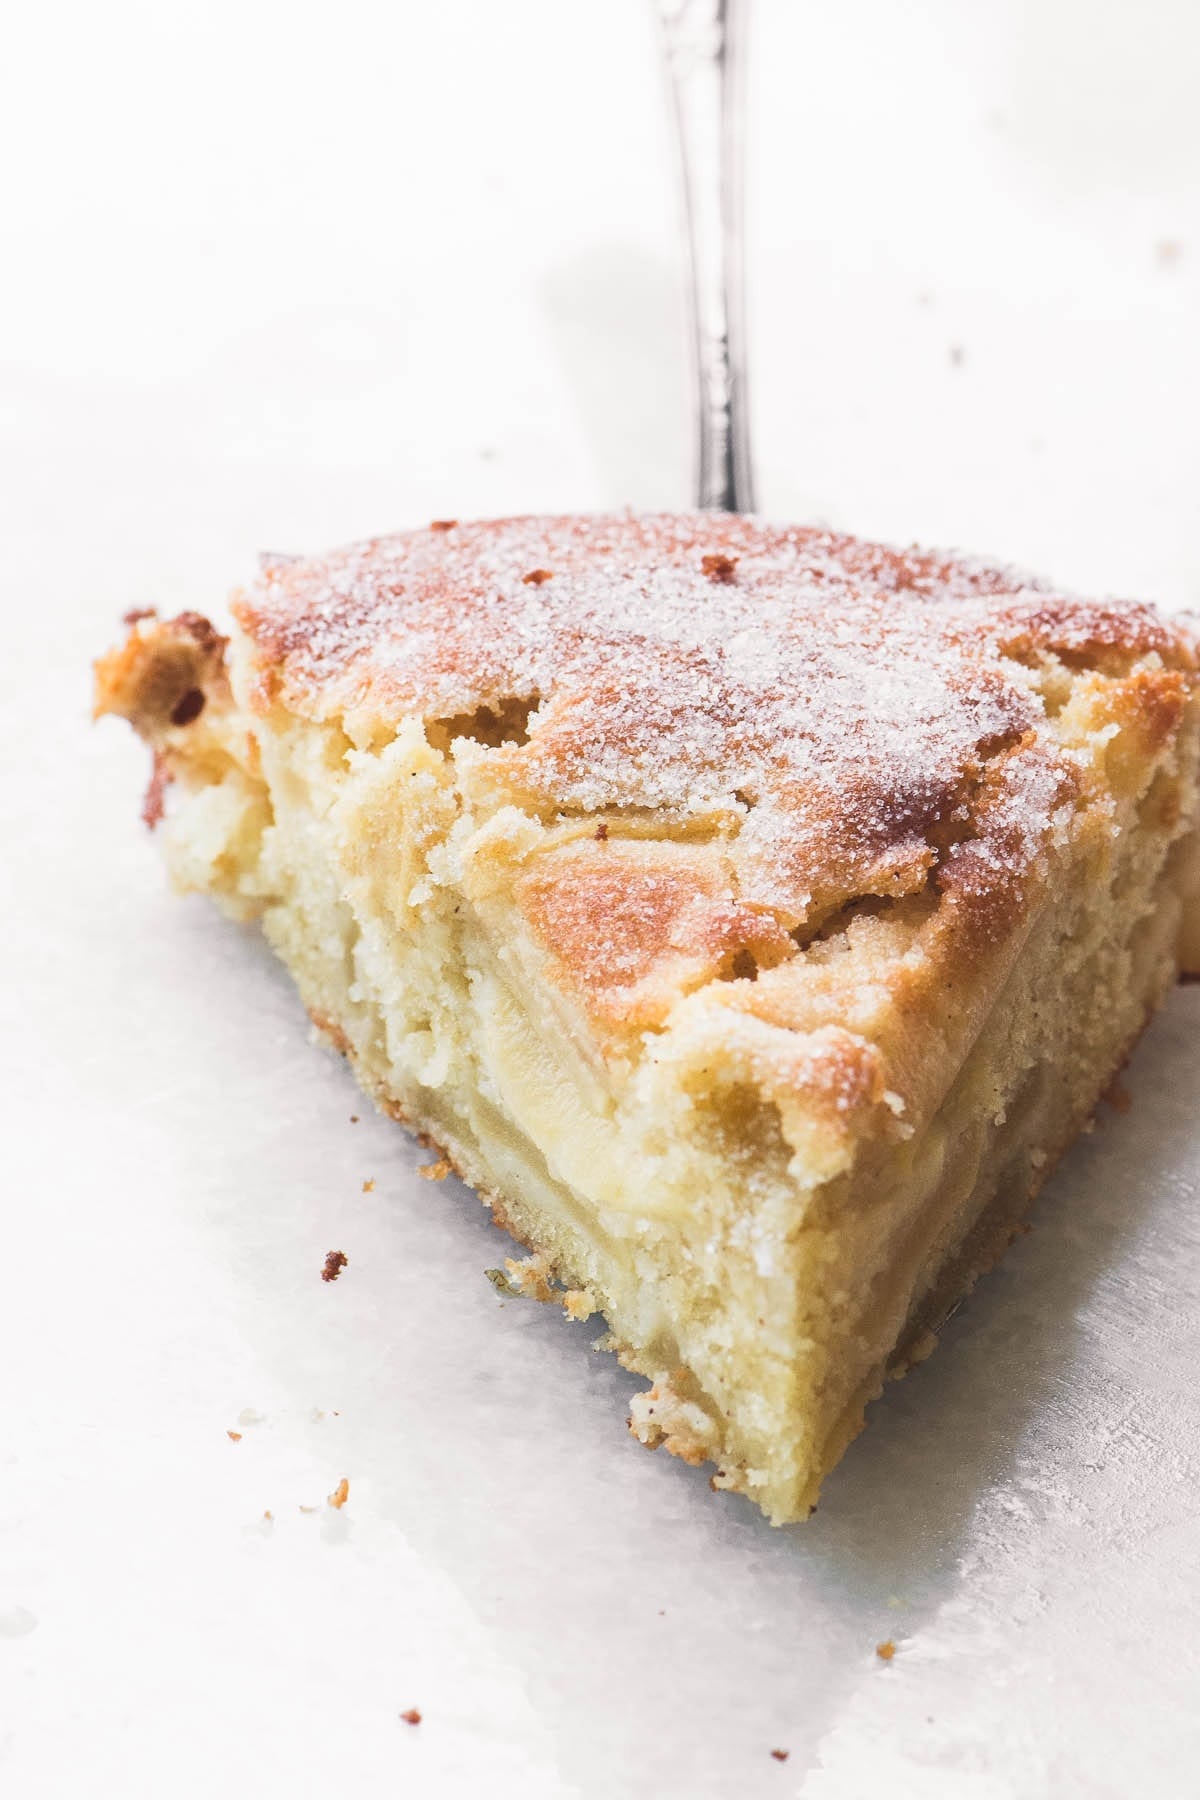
(703, 44)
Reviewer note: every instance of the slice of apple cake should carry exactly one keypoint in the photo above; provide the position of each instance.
(752, 915)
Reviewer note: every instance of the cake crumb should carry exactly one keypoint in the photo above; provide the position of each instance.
(235, 1437)
(412, 1716)
(536, 577)
(335, 1262)
(886, 1650)
(136, 614)
(602, 833)
(719, 568)
(354, 1118)
(269, 1515)
(369, 1185)
(308, 1509)
(442, 524)
(435, 1171)
(781, 1755)
(154, 801)
(340, 1495)
(530, 1275)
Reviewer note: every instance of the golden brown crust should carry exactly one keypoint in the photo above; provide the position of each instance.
(435, 621)
(333, 1033)
(163, 674)
(763, 732)
(1086, 633)
(833, 708)
(634, 926)
(769, 737)
(170, 679)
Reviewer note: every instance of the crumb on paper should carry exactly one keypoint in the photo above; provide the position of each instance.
(781, 1755)
(886, 1650)
(308, 1509)
(579, 1303)
(235, 1437)
(435, 1171)
(335, 1262)
(412, 1716)
(268, 1515)
(442, 524)
(719, 568)
(340, 1495)
(136, 614)
(536, 577)
(502, 1284)
(369, 1185)
(354, 1118)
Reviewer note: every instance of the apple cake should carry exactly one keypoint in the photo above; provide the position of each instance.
(752, 915)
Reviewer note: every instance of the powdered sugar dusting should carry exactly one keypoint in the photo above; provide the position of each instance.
(841, 699)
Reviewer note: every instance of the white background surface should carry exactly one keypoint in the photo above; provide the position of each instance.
(277, 276)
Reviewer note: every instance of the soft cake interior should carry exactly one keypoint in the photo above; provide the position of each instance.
(763, 1249)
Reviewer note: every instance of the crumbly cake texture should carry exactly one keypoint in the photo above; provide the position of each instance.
(752, 915)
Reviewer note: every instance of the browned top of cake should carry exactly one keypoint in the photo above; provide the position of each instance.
(861, 713)
(715, 631)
